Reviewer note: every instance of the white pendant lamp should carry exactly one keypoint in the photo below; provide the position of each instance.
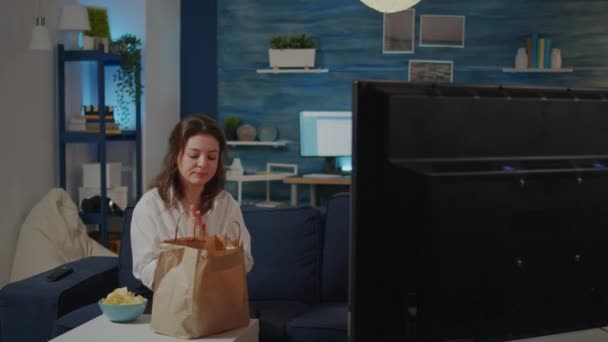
(40, 39)
(390, 6)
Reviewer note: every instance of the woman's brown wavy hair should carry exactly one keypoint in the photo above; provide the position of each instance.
(169, 178)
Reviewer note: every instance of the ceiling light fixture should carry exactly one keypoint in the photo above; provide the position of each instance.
(390, 6)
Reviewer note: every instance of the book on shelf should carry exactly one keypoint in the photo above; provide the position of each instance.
(96, 125)
(539, 51)
(547, 59)
(534, 51)
(96, 117)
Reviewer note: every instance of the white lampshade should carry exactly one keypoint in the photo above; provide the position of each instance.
(74, 17)
(390, 6)
(40, 38)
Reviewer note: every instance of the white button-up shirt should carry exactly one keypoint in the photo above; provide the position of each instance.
(154, 222)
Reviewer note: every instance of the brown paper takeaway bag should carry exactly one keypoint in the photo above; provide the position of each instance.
(200, 288)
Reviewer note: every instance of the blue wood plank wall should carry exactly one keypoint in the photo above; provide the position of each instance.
(198, 57)
(349, 36)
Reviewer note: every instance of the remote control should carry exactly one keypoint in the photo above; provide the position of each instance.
(59, 273)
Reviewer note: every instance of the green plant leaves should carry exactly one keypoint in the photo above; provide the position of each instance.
(128, 84)
(98, 20)
(299, 41)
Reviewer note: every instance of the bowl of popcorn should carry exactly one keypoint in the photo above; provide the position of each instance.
(122, 305)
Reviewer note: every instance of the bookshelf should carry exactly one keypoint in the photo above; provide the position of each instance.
(100, 139)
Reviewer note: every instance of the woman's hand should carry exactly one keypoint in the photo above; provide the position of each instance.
(198, 222)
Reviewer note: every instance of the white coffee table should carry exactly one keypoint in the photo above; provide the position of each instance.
(101, 329)
(588, 335)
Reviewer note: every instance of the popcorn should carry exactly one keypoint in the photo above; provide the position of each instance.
(122, 296)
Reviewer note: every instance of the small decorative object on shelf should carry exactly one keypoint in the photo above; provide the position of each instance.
(292, 52)
(246, 133)
(267, 132)
(521, 59)
(556, 59)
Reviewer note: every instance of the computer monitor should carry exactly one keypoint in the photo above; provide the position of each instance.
(326, 134)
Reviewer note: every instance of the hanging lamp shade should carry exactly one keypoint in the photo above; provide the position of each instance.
(40, 39)
(390, 6)
(74, 17)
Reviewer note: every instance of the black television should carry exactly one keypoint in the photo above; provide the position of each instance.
(479, 212)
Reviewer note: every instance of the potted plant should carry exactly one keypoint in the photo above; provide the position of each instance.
(231, 123)
(128, 84)
(292, 51)
(100, 29)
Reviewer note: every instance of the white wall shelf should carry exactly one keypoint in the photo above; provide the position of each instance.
(278, 143)
(291, 71)
(537, 70)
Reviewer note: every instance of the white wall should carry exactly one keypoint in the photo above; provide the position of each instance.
(162, 70)
(28, 139)
(27, 133)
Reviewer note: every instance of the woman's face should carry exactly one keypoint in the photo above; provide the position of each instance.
(197, 163)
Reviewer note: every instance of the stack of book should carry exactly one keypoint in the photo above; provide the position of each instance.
(93, 123)
(78, 123)
(90, 122)
(539, 52)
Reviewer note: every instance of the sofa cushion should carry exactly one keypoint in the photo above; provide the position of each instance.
(125, 267)
(273, 317)
(76, 318)
(286, 247)
(325, 322)
(334, 276)
(51, 235)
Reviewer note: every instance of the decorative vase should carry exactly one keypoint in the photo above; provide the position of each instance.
(246, 133)
(556, 59)
(267, 132)
(521, 59)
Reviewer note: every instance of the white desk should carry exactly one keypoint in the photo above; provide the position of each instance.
(313, 182)
(267, 176)
(102, 329)
(589, 335)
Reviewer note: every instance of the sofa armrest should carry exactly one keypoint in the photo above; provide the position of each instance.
(28, 308)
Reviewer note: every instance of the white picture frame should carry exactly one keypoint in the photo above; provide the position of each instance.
(398, 32)
(434, 71)
(442, 30)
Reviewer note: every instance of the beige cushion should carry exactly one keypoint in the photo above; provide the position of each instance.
(52, 235)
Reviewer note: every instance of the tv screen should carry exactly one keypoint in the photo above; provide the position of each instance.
(478, 212)
(325, 133)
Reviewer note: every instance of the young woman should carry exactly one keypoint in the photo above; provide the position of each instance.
(192, 180)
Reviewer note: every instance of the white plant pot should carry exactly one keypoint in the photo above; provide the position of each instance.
(291, 58)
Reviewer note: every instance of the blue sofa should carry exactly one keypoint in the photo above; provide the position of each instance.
(297, 287)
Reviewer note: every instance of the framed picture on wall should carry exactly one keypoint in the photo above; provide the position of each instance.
(442, 30)
(398, 32)
(431, 71)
